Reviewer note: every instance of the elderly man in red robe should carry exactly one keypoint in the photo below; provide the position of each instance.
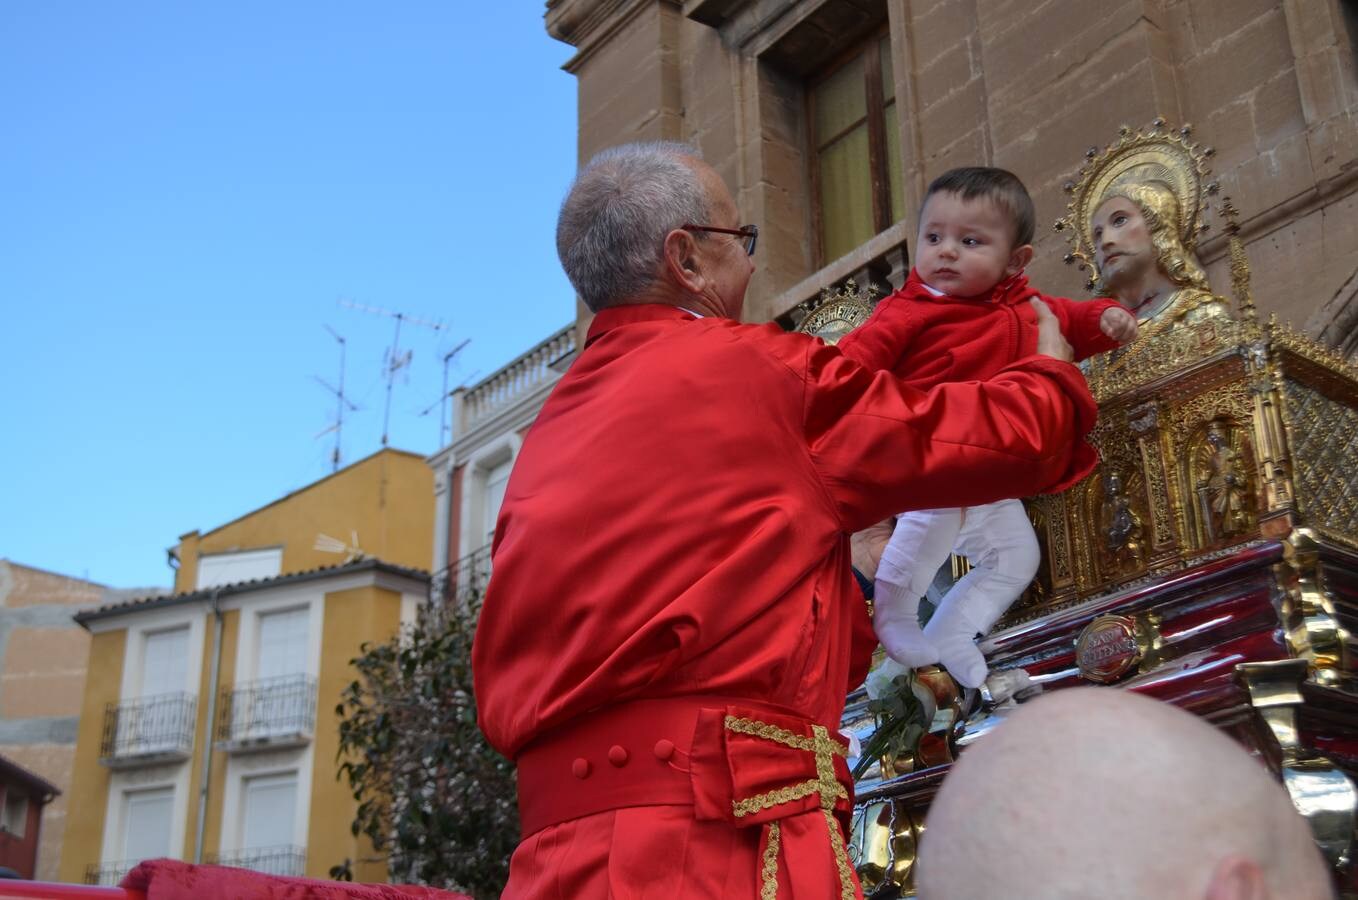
(672, 625)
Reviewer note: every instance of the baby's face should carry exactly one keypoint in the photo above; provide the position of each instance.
(965, 247)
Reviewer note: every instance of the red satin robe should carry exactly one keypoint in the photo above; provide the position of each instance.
(678, 523)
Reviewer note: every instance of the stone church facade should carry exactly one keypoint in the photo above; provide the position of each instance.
(829, 117)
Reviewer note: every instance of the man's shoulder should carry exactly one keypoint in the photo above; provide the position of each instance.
(760, 340)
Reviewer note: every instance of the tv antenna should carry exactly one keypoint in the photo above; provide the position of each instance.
(341, 402)
(395, 360)
(445, 434)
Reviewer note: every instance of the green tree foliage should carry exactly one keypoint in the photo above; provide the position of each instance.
(433, 797)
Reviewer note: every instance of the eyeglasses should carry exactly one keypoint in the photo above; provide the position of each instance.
(749, 234)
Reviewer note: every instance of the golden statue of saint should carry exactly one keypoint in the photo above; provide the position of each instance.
(1142, 261)
(1135, 217)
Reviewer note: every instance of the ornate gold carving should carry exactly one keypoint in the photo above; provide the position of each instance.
(1164, 349)
(1285, 337)
(1308, 613)
(1220, 475)
(1120, 527)
(1144, 422)
(838, 313)
(1240, 264)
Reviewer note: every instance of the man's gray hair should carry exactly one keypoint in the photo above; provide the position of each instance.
(611, 231)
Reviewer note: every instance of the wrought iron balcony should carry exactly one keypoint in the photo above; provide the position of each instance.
(148, 729)
(463, 581)
(268, 713)
(282, 860)
(108, 874)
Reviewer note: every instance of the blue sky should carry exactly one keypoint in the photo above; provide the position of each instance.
(188, 190)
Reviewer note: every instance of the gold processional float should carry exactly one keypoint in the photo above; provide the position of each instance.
(1211, 560)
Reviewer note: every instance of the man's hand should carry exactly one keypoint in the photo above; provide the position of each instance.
(1118, 324)
(867, 546)
(1050, 341)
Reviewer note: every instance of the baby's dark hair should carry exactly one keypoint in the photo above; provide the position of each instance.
(1000, 186)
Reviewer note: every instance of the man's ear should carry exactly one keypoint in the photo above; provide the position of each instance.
(1018, 260)
(682, 262)
(1237, 878)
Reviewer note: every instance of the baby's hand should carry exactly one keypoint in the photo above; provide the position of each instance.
(1118, 324)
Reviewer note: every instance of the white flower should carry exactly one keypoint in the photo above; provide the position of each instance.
(880, 678)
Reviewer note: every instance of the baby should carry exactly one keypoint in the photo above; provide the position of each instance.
(967, 313)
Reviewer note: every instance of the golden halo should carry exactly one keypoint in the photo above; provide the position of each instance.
(1153, 154)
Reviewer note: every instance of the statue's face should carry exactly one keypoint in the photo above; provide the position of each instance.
(1123, 251)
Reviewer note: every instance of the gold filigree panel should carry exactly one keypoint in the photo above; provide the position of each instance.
(1324, 444)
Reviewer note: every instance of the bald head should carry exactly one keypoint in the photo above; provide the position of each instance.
(1102, 793)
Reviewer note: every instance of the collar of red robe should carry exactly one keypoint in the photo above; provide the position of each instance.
(611, 317)
(1008, 292)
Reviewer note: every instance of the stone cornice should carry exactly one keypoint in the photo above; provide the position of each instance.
(587, 24)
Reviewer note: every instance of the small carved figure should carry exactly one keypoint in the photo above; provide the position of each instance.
(1222, 485)
(1119, 523)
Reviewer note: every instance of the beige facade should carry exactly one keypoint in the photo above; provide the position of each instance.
(42, 680)
(1028, 85)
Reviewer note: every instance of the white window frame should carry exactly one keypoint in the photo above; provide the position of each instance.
(253, 606)
(16, 823)
(264, 558)
(239, 767)
(471, 534)
(122, 783)
(245, 782)
(155, 621)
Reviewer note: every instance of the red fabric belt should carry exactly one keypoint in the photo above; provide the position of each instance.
(729, 758)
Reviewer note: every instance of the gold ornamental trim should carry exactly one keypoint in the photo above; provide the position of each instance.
(825, 784)
(768, 889)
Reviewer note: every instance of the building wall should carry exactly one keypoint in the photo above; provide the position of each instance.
(88, 796)
(351, 618)
(1024, 84)
(212, 827)
(42, 679)
(387, 498)
(348, 608)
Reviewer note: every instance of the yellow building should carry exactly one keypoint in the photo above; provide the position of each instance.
(207, 730)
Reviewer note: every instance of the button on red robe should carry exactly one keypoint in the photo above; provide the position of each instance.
(677, 524)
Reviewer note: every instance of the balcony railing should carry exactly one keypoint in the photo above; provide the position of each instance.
(514, 381)
(282, 860)
(148, 729)
(268, 712)
(108, 874)
(464, 580)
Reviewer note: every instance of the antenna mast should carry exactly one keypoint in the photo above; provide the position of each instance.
(445, 430)
(395, 362)
(341, 402)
